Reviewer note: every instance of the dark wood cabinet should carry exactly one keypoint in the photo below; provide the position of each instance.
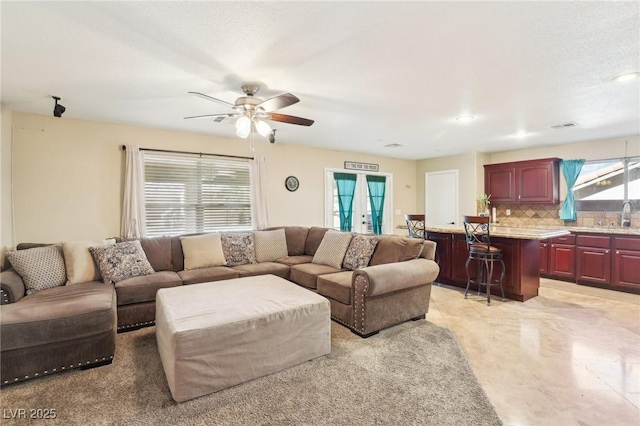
(523, 182)
(459, 260)
(500, 182)
(521, 259)
(562, 257)
(593, 259)
(626, 264)
(544, 257)
(443, 253)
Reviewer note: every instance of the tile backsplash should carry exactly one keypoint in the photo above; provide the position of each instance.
(547, 215)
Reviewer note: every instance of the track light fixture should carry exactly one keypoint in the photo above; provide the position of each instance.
(58, 109)
(272, 136)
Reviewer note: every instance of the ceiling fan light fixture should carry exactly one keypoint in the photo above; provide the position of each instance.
(263, 128)
(243, 127)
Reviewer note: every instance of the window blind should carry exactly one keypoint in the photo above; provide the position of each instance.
(190, 194)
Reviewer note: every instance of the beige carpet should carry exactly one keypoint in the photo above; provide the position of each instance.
(414, 373)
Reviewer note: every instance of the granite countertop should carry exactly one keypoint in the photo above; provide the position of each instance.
(538, 232)
(504, 232)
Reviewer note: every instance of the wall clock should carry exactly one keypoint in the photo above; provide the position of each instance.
(291, 182)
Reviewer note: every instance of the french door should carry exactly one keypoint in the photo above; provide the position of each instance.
(360, 219)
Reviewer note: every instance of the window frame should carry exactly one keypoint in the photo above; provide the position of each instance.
(610, 205)
(192, 193)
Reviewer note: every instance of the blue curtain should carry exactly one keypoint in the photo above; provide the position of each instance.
(377, 187)
(346, 183)
(570, 171)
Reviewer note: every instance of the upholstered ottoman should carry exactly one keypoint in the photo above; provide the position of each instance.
(212, 336)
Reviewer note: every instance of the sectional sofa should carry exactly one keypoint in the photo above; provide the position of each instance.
(71, 326)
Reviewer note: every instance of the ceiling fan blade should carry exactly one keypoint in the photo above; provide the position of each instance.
(218, 117)
(278, 102)
(283, 118)
(210, 98)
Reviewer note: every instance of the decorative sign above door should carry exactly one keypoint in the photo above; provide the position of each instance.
(352, 165)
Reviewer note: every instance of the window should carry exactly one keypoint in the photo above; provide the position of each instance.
(605, 184)
(189, 194)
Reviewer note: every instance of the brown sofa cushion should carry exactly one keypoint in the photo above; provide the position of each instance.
(314, 238)
(143, 288)
(296, 239)
(306, 274)
(391, 249)
(295, 260)
(429, 250)
(58, 314)
(203, 275)
(158, 251)
(262, 268)
(336, 286)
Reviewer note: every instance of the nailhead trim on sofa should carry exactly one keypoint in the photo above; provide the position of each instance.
(54, 370)
(136, 325)
(360, 288)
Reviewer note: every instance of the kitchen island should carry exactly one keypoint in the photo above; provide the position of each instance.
(520, 252)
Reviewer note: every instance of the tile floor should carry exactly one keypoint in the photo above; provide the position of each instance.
(562, 358)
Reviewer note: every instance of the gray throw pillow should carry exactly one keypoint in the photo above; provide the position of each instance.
(120, 261)
(359, 252)
(40, 268)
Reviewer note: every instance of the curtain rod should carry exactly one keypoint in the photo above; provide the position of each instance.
(170, 151)
(633, 157)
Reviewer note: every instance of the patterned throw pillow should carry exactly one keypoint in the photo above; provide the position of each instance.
(40, 267)
(238, 248)
(332, 248)
(120, 261)
(270, 245)
(360, 251)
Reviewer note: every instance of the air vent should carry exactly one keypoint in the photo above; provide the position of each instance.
(393, 145)
(565, 126)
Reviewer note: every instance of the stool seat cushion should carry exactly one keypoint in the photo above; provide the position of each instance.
(482, 248)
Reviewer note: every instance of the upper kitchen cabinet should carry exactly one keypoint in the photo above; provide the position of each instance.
(523, 182)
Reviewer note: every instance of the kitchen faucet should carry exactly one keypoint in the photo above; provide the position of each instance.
(625, 214)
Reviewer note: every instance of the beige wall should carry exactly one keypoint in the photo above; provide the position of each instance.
(6, 230)
(68, 175)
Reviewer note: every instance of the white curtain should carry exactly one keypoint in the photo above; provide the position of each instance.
(259, 199)
(133, 203)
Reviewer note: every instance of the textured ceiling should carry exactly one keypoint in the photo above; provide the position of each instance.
(369, 73)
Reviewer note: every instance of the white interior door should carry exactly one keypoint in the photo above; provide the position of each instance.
(441, 197)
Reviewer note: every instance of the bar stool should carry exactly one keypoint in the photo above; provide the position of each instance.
(415, 225)
(478, 237)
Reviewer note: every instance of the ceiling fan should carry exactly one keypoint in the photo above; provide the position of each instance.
(252, 112)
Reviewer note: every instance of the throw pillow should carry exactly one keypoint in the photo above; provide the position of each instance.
(360, 251)
(270, 245)
(120, 261)
(332, 248)
(78, 261)
(202, 251)
(238, 248)
(40, 268)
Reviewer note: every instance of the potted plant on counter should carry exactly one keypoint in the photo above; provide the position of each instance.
(483, 204)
